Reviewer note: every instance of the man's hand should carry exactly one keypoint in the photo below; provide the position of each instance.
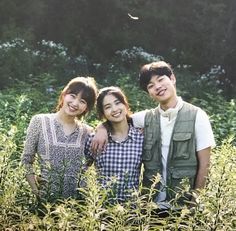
(100, 140)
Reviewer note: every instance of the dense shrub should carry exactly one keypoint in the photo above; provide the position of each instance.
(222, 115)
(19, 104)
(23, 62)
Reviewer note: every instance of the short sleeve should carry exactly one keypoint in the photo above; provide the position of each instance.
(139, 118)
(203, 131)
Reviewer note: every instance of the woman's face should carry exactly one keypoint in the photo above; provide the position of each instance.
(114, 110)
(73, 104)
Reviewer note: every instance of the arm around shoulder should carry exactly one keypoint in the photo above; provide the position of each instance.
(139, 118)
(100, 139)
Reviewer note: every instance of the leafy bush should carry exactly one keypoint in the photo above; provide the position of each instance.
(222, 115)
(18, 105)
(23, 62)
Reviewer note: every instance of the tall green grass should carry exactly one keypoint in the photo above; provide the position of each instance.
(215, 207)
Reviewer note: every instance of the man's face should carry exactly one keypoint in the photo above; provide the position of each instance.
(162, 89)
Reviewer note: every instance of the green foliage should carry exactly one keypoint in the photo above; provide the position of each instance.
(184, 32)
(222, 115)
(193, 85)
(22, 62)
(215, 207)
(14, 195)
(19, 104)
(14, 116)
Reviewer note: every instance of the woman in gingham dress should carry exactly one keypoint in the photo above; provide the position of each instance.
(121, 160)
(57, 140)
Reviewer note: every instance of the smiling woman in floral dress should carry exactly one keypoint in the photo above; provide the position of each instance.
(57, 140)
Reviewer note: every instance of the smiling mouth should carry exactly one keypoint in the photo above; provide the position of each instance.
(161, 92)
(116, 114)
(73, 108)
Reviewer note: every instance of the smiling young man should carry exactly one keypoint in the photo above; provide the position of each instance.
(177, 135)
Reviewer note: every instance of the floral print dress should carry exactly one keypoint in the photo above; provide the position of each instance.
(60, 156)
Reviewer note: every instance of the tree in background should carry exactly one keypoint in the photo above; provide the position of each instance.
(197, 33)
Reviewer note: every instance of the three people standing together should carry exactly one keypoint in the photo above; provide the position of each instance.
(176, 141)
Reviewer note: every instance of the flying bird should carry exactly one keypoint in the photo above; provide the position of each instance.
(133, 17)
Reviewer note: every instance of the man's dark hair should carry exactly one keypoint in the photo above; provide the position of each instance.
(159, 68)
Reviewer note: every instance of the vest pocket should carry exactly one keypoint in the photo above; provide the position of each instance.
(148, 177)
(178, 175)
(147, 154)
(181, 145)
